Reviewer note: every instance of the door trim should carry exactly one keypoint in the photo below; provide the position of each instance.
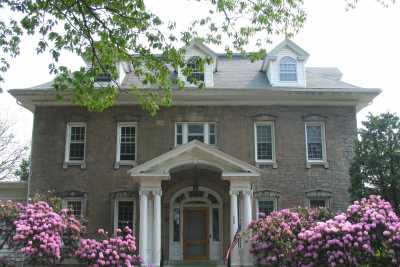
(205, 211)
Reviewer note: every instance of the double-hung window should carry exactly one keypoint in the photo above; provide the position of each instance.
(318, 203)
(124, 214)
(203, 132)
(75, 142)
(126, 142)
(264, 142)
(315, 142)
(265, 207)
(288, 69)
(75, 205)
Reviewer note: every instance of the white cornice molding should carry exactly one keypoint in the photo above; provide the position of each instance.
(358, 97)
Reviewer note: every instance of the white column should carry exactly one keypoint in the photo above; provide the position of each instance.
(157, 228)
(234, 226)
(247, 210)
(143, 225)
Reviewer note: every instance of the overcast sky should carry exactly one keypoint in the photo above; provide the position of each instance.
(363, 43)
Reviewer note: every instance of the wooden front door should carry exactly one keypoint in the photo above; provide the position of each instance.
(195, 234)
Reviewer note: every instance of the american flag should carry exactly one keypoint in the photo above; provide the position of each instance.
(233, 244)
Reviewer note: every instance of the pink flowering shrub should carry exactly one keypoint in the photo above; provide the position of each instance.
(40, 232)
(8, 213)
(119, 251)
(367, 234)
(273, 237)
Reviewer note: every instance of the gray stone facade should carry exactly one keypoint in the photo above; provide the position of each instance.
(155, 136)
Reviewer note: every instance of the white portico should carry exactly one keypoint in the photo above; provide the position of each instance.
(195, 213)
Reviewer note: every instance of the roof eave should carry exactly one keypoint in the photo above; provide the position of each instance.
(222, 96)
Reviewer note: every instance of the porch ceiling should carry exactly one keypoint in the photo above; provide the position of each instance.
(198, 154)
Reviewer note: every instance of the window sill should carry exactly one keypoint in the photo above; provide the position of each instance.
(311, 163)
(263, 164)
(118, 164)
(67, 164)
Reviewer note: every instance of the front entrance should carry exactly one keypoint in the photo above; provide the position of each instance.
(195, 233)
(196, 225)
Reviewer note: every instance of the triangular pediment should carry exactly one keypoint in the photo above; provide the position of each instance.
(195, 153)
(287, 43)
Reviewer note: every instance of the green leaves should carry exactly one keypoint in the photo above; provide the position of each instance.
(376, 165)
(107, 32)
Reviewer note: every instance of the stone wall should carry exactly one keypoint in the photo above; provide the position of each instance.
(235, 136)
(16, 191)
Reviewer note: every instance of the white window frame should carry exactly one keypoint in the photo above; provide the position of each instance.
(68, 142)
(116, 212)
(265, 123)
(324, 159)
(118, 150)
(280, 70)
(206, 132)
(274, 200)
(70, 199)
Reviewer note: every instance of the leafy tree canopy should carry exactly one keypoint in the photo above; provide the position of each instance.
(105, 32)
(23, 171)
(376, 165)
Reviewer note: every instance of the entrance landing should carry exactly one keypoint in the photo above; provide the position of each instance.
(195, 264)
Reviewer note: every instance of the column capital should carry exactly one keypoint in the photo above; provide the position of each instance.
(157, 192)
(144, 192)
(234, 192)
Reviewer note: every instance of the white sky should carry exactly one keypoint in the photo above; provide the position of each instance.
(363, 43)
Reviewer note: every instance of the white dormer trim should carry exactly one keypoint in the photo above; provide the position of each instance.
(198, 49)
(271, 64)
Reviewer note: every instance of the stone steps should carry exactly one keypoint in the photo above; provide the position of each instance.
(194, 264)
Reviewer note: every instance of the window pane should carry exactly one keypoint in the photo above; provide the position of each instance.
(314, 134)
(195, 129)
(77, 151)
(75, 206)
(264, 134)
(317, 203)
(77, 143)
(125, 214)
(177, 221)
(288, 69)
(195, 132)
(77, 134)
(196, 137)
(315, 151)
(265, 207)
(215, 224)
(314, 142)
(288, 77)
(211, 136)
(196, 69)
(127, 143)
(264, 142)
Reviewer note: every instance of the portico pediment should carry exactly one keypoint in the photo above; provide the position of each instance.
(195, 154)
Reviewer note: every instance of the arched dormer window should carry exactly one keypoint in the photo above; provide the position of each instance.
(195, 65)
(288, 69)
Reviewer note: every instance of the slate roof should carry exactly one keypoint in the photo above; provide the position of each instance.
(239, 72)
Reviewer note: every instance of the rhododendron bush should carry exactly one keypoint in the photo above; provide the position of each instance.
(47, 235)
(43, 235)
(112, 251)
(367, 234)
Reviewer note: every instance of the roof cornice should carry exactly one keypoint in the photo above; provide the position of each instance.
(358, 97)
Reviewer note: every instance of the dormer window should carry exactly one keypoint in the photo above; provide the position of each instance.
(197, 69)
(288, 69)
